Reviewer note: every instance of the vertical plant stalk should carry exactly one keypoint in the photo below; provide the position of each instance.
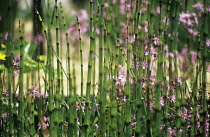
(81, 58)
(21, 92)
(102, 95)
(88, 88)
(50, 87)
(58, 86)
(113, 96)
(81, 68)
(8, 27)
(49, 72)
(71, 116)
(73, 98)
(158, 91)
(204, 55)
(68, 51)
(139, 80)
(127, 85)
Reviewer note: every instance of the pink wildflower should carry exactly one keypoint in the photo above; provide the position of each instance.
(83, 16)
(192, 32)
(131, 39)
(121, 80)
(162, 101)
(154, 55)
(198, 6)
(124, 99)
(157, 10)
(16, 62)
(188, 19)
(172, 98)
(96, 126)
(171, 132)
(39, 38)
(46, 119)
(194, 57)
(208, 42)
(162, 126)
(74, 13)
(208, 9)
(155, 41)
(153, 79)
(16, 73)
(144, 65)
(133, 124)
(179, 80)
(4, 115)
(106, 5)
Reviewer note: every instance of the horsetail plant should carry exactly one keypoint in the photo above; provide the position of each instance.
(21, 88)
(147, 71)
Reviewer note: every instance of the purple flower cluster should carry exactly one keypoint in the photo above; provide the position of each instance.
(188, 19)
(73, 27)
(36, 93)
(46, 123)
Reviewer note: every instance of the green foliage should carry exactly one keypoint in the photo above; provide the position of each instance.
(136, 74)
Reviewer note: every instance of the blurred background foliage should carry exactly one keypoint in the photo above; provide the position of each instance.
(13, 10)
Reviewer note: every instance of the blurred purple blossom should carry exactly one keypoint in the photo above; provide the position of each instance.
(124, 99)
(4, 115)
(180, 80)
(172, 98)
(171, 132)
(16, 61)
(28, 119)
(154, 55)
(162, 126)
(144, 64)
(151, 105)
(156, 41)
(106, 5)
(43, 126)
(193, 32)
(153, 79)
(131, 39)
(157, 10)
(188, 19)
(82, 15)
(36, 92)
(121, 79)
(16, 73)
(208, 42)
(165, 21)
(207, 127)
(208, 9)
(199, 7)
(180, 131)
(193, 56)
(133, 124)
(46, 119)
(162, 101)
(124, 29)
(38, 38)
(96, 126)
(137, 65)
(84, 26)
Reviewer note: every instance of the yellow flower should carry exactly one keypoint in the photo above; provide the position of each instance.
(3, 46)
(2, 56)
